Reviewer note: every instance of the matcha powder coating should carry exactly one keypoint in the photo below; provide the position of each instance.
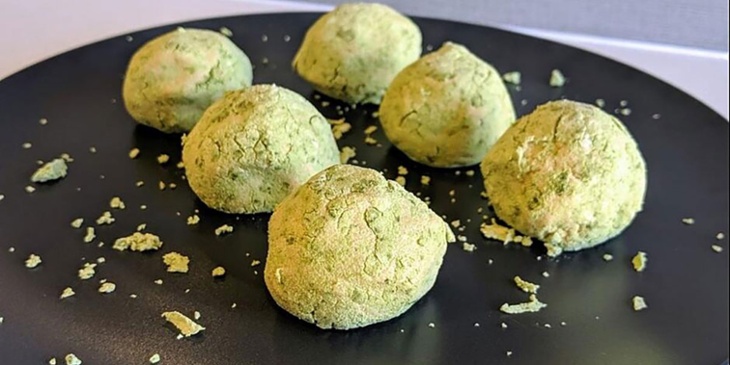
(568, 174)
(254, 146)
(350, 248)
(447, 109)
(353, 52)
(172, 79)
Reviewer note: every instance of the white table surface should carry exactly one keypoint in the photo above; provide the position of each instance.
(31, 31)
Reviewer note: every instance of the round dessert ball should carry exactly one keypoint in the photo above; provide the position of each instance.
(353, 52)
(447, 109)
(568, 174)
(173, 78)
(349, 249)
(254, 146)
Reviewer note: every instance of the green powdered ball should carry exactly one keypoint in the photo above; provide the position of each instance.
(568, 174)
(353, 52)
(446, 109)
(173, 78)
(349, 249)
(254, 146)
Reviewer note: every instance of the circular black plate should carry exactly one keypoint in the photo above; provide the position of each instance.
(685, 285)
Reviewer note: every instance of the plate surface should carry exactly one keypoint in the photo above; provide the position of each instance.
(685, 285)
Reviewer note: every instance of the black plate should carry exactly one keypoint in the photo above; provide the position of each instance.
(686, 283)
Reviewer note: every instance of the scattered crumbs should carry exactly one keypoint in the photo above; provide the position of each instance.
(514, 77)
(53, 170)
(105, 218)
(134, 153)
(116, 203)
(717, 248)
(264, 38)
(553, 250)
(402, 170)
(52, 361)
(523, 102)
(623, 103)
(163, 159)
(504, 326)
(534, 305)
(563, 324)
(545, 274)
(468, 247)
(158, 282)
(33, 261)
(87, 271)
(154, 359)
(557, 79)
(432, 325)
(425, 180)
(234, 305)
(455, 223)
(223, 230)
(600, 103)
(27, 145)
(639, 261)
(639, 303)
(607, 257)
(526, 286)
(2, 319)
(469, 173)
(143, 207)
(218, 271)
(176, 262)
(287, 38)
(29, 189)
(92, 149)
(100, 260)
(339, 127)
(180, 165)
(129, 38)
(255, 263)
(656, 116)
(196, 315)
(461, 238)
(720, 236)
(185, 325)
(11, 249)
(172, 186)
(370, 141)
(138, 242)
(43, 121)
(476, 324)
(72, 359)
(68, 292)
(2, 196)
(548, 325)
(688, 221)
(375, 114)
(400, 180)
(509, 353)
(67, 157)
(226, 32)
(625, 111)
(193, 220)
(141, 227)
(133, 296)
(490, 261)
(457, 172)
(347, 153)
(429, 47)
(161, 185)
(76, 223)
(107, 287)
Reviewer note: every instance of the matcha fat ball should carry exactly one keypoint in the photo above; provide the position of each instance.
(568, 174)
(353, 52)
(446, 109)
(254, 146)
(349, 249)
(173, 78)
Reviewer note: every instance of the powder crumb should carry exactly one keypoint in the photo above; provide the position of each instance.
(76, 223)
(688, 221)
(600, 103)
(455, 223)
(639, 261)
(720, 236)
(607, 257)
(370, 141)
(255, 263)
(116, 203)
(138, 242)
(107, 287)
(347, 153)
(557, 79)
(234, 305)
(105, 218)
(432, 325)
(468, 247)
(287, 38)
(154, 359)
(639, 303)
(717, 249)
(534, 305)
(11, 249)
(141, 227)
(161, 185)
(193, 220)
(29, 189)
(133, 296)
(509, 353)
(163, 159)
(134, 153)
(67, 293)
(139, 184)
(185, 325)
(224, 229)
(219, 271)
(87, 271)
(514, 77)
(52, 361)
(504, 326)
(461, 238)
(425, 180)
(176, 262)
(33, 261)
(526, 286)
(476, 324)
(625, 111)
(92, 149)
(656, 116)
(180, 165)
(100, 260)
(43, 121)
(54, 170)
(27, 145)
(402, 170)
(226, 32)
(497, 232)
(72, 359)
(545, 274)
(158, 282)
(470, 173)
(66, 157)
(339, 127)
(196, 315)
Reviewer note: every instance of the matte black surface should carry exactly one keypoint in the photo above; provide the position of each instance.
(685, 285)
